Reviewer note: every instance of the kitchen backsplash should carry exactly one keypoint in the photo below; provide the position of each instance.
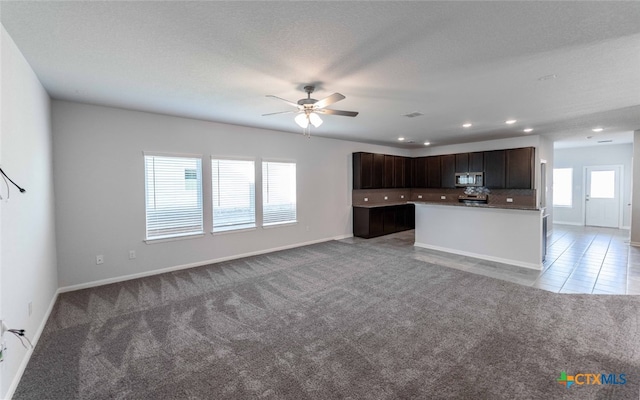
(497, 197)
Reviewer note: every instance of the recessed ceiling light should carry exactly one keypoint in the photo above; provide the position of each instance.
(401, 139)
(597, 129)
(527, 130)
(427, 143)
(510, 121)
(467, 125)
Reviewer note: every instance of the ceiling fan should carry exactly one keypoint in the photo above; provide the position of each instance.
(308, 109)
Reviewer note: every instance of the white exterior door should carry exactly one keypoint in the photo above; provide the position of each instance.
(602, 200)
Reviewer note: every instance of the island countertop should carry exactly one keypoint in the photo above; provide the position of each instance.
(481, 205)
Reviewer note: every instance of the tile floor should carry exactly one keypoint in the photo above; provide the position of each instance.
(579, 260)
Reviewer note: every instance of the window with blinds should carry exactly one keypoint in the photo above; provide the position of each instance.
(173, 191)
(278, 193)
(233, 194)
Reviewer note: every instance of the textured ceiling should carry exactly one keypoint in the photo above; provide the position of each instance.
(452, 61)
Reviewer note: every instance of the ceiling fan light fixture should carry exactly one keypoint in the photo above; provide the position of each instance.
(315, 119)
(302, 121)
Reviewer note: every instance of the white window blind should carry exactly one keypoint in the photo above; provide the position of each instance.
(562, 187)
(233, 194)
(173, 190)
(278, 193)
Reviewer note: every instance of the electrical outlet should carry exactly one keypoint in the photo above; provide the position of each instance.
(443, 197)
(132, 254)
(366, 199)
(386, 197)
(99, 259)
(402, 196)
(419, 196)
(509, 200)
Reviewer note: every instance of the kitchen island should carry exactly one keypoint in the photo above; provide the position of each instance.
(510, 235)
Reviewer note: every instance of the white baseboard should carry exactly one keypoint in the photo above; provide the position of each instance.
(517, 263)
(191, 265)
(34, 340)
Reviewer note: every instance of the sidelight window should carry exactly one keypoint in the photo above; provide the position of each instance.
(563, 187)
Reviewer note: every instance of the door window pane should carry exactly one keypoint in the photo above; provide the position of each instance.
(602, 184)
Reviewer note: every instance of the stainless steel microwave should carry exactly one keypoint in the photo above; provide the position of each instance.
(464, 179)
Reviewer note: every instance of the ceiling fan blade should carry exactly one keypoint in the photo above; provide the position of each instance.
(337, 112)
(286, 101)
(328, 100)
(281, 112)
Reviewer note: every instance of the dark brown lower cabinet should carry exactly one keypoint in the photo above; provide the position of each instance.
(371, 222)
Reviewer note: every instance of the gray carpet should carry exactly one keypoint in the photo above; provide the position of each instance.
(331, 321)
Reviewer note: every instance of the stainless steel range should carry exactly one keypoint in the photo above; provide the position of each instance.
(473, 198)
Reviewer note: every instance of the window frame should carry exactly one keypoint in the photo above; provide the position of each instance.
(231, 228)
(199, 197)
(264, 196)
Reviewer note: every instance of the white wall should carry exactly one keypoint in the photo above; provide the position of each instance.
(546, 152)
(27, 244)
(578, 158)
(99, 180)
(635, 202)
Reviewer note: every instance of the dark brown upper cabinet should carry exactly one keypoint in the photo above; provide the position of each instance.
(494, 169)
(433, 172)
(503, 169)
(420, 173)
(389, 162)
(362, 170)
(476, 162)
(448, 171)
(470, 162)
(462, 162)
(378, 171)
(520, 167)
(399, 172)
(409, 166)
